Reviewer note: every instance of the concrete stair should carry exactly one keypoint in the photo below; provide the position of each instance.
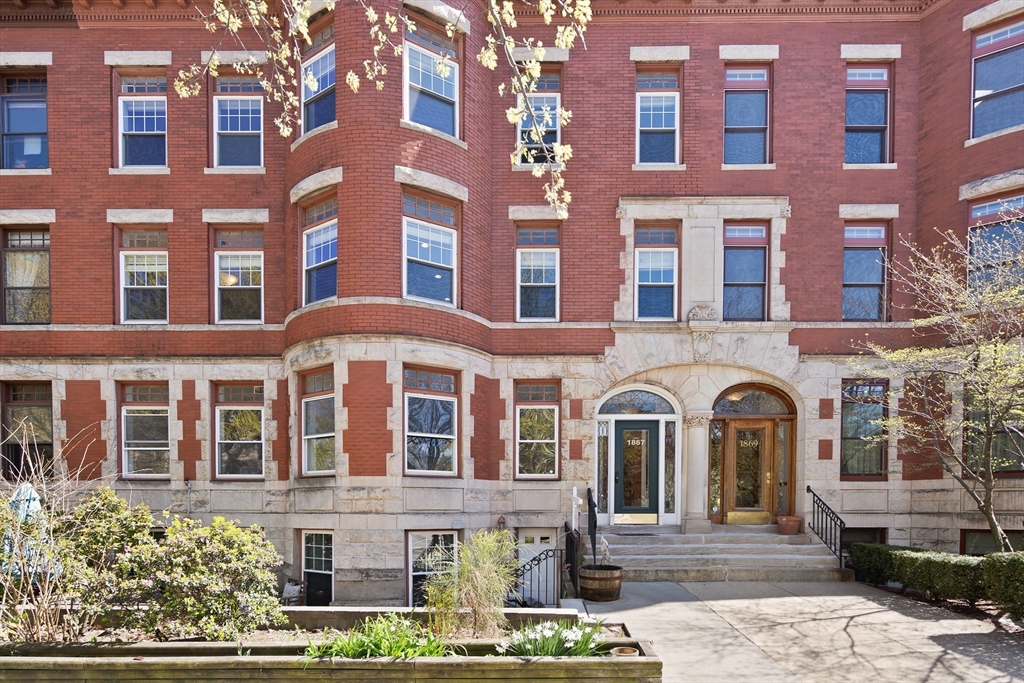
(728, 553)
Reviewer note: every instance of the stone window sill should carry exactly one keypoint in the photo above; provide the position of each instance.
(141, 170)
(528, 168)
(999, 133)
(26, 171)
(748, 167)
(659, 167)
(236, 170)
(312, 133)
(420, 128)
(869, 167)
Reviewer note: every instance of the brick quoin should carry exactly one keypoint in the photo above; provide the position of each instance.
(486, 447)
(367, 395)
(280, 411)
(189, 448)
(84, 411)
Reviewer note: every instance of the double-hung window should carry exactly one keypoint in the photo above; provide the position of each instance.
(24, 132)
(862, 450)
(429, 242)
(746, 114)
(239, 430)
(867, 115)
(656, 262)
(320, 252)
(142, 109)
(238, 107)
(1006, 440)
(239, 278)
(144, 276)
(998, 101)
(318, 422)
(26, 436)
(542, 112)
(996, 243)
(318, 67)
(537, 266)
(536, 431)
(657, 117)
(430, 422)
(864, 272)
(26, 277)
(744, 286)
(432, 79)
(429, 552)
(145, 444)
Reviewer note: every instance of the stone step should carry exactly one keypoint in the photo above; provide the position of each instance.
(720, 573)
(620, 551)
(779, 561)
(706, 539)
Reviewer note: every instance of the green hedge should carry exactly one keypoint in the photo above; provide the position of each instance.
(1004, 581)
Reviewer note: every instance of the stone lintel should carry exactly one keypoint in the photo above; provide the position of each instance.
(431, 183)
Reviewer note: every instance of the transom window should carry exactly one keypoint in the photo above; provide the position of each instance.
(744, 289)
(429, 251)
(656, 265)
(998, 101)
(537, 431)
(746, 115)
(430, 422)
(636, 402)
(867, 115)
(143, 121)
(244, 239)
(749, 401)
(25, 140)
(864, 272)
(657, 113)
(26, 277)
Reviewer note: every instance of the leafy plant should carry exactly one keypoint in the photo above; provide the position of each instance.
(553, 639)
(1004, 581)
(386, 635)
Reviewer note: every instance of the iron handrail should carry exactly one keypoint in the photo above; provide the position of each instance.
(827, 525)
(536, 561)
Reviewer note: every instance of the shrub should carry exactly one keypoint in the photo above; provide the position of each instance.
(386, 635)
(215, 581)
(1004, 581)
(940, 575)
(552, 639)
(873, 561)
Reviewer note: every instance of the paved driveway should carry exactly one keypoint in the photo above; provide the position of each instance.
(809, 632)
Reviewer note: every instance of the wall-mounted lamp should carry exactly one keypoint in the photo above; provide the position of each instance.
(501, 522)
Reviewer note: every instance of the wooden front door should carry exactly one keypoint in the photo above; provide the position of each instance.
(749, 470)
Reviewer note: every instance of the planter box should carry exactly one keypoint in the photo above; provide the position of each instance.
(344, 618)
(152, 662)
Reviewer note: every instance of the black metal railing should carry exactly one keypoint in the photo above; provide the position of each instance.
(539, 580)
(827, 525)
(572, 557)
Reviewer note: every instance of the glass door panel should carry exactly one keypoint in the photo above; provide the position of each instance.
(749, 467)
(636, 473)
(750, 456)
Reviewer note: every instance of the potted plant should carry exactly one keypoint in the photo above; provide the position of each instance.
(789, 524)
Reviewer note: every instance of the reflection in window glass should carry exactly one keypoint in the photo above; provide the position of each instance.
(239, 441)
(636, 402)
(430, 552)
(429, 434)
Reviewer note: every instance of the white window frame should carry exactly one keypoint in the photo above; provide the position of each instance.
(454, 400)
(766, 284)
(305, 261)
(302, 557)
(657, 93)
(767, 89)
(302, 88)
(218, 287)
(307, 437)
(636, 282)
(405, 260)
(263, 441)
(217, 133)
(126, 97)
(124, 288)
(409, 559)
(539, 406)
(974, 71)
(406, 85)
(125, 472)
(850, 242)
(557, 285)
(554, 116)
(882, 86)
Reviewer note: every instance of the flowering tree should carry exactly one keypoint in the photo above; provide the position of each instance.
(282, 29)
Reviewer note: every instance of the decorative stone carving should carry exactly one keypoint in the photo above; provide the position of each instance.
(703, 313)
(693, 420)
(702, 347)
(620, 211)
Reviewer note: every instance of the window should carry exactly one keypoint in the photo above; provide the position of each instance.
(537, 431)
(144, 277)
(980, 541)
(240, 431)
(318, 567)
(429, 250)
(239, 122)
(430, 417)
(27, 434)
(746, 266)
(320, 252)
(1007, 441)
(23, 110)
(867, 115)
(543, 110)
(656, 258)
(746, 115)
(26, 277)
(143, 117)
(998, 101)
(429, 552)
(657, 117)
(862, 451)
(318, 422)
(318, 105)
(432, 75)
(145, 445)
(239, 287)
(996, 242)
(537, 266)
(864, 272)
(850, 535)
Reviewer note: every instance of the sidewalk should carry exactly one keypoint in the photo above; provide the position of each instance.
(809, 633)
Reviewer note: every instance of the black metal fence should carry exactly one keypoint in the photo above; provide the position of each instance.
(539, 580)
(827, 525)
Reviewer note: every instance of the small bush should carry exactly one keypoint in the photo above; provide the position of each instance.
(386, 635)
(941, 575)
(552, 639)
(1004, 581)
(873, 561)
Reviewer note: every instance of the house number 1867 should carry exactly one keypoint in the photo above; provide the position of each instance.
(635, 442)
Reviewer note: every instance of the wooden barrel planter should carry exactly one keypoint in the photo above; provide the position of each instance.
(600, 582)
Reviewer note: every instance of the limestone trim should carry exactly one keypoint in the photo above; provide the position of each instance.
(748, 53)
(236, 170)
(660, 53)
(315, 182)
(128, 216)
(26, 59)
(137, 57)
(140, 170)
(989, 14)
(28, 216)
(871, 53)
(312, 133)
(26, 171)
(1002, 182)
(235, 56)
(748, 167)
(698, 420)
(869, 167)
(431, 183)
(236, 215)
(869, 211)
(427, 130)
(991, 136)
(444, 12)
(543, 212)
(659, 167)
(551, 54)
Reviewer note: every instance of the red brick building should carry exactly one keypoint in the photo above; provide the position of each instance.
(375, 335)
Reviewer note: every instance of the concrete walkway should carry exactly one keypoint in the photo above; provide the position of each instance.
(809, 632)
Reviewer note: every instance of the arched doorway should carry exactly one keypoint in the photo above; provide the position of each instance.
(637, 455)
(750, 464)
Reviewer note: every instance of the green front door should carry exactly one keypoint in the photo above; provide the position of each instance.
(636, 472)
